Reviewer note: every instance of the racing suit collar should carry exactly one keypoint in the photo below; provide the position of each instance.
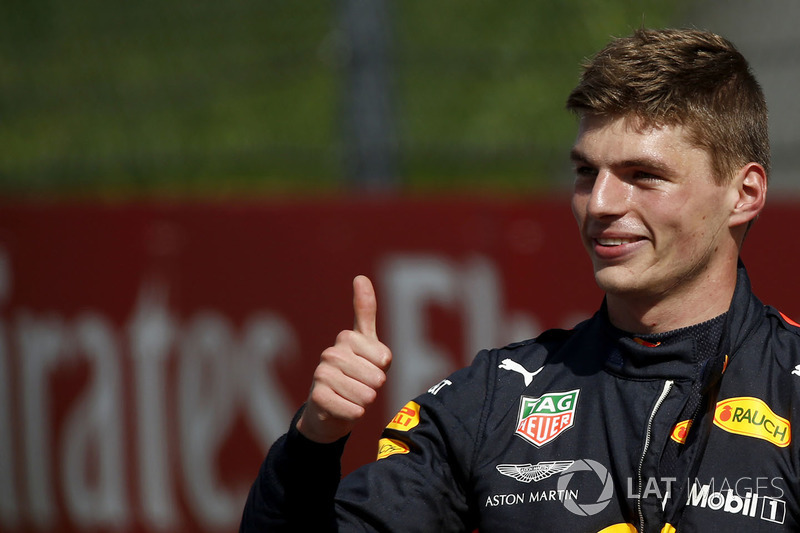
(629, 358)
(680, 358)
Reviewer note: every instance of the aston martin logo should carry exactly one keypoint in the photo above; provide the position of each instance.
(528, 472)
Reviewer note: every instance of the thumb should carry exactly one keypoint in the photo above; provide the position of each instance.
(365, 306)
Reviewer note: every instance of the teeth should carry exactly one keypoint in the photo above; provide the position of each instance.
(614, 242)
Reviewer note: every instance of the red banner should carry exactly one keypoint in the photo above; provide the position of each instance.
(150, 354)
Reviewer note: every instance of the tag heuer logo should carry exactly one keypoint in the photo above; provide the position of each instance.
(545, 418)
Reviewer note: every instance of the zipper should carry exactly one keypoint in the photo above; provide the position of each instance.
(664, 393)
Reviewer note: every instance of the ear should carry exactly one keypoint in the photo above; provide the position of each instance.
(750, 186)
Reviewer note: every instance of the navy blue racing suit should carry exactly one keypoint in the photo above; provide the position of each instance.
(586, 430)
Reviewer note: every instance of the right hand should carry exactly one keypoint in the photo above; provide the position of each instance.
(349, 375)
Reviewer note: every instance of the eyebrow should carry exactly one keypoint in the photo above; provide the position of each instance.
(576, 156)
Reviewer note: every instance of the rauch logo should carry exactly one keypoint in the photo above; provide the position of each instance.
(753, 418)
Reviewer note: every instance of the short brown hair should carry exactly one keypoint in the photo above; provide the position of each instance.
(691, 78)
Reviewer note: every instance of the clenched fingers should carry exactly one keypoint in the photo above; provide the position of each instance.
(368, 348)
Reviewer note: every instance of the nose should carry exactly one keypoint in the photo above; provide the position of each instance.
(608, 195)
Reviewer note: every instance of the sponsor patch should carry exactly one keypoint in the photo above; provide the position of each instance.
(406, 419)
(748, 503)
(753, 418)
(529, 472)
(387, 447)
(544, 418)
(681, 431)
(619, 528)
(508, 364)
(583, 486)
(439, 386)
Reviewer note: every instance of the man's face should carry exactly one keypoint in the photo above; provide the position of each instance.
(651, 216)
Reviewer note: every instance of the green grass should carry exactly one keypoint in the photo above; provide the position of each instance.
(206, 98)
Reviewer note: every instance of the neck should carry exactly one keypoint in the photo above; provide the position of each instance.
(646, 314)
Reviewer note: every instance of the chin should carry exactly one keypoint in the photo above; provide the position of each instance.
(616, 282)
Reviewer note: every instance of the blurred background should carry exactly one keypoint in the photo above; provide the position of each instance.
(206, 99)
(187, 189)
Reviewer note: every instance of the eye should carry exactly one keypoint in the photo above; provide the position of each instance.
(585, 171)
(641, 175)
(585, 177)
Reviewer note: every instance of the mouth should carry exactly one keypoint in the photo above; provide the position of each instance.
(614, 241)
(616, 248)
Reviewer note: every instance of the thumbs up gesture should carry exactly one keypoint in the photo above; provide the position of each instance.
(349, 375)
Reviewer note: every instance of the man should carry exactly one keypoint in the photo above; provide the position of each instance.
(670, 409)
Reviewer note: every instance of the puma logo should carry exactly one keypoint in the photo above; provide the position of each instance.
(508, 364)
